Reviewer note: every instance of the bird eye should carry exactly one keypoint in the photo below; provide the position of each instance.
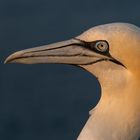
(101, 46)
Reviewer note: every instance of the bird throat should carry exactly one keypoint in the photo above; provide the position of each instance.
(116, 116)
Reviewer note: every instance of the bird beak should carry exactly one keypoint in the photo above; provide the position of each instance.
(66, 52)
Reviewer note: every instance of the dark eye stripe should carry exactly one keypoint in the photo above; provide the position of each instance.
(92, 46)
(106, 53)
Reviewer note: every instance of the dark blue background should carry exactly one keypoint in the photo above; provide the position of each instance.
(49, 102)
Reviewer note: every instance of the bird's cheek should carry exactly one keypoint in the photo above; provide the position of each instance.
(94, 69)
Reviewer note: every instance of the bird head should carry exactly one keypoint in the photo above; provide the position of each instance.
(99, 49)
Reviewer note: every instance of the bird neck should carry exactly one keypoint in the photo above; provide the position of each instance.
(117, 115)
(117, 119)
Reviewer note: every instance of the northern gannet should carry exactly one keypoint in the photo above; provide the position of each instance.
(111, 52)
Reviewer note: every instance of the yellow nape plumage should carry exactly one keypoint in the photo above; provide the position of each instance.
(110, 52)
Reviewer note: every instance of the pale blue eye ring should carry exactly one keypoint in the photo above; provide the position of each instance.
(102, 46)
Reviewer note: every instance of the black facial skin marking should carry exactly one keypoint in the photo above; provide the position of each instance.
(91, 46)
(106, 53)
